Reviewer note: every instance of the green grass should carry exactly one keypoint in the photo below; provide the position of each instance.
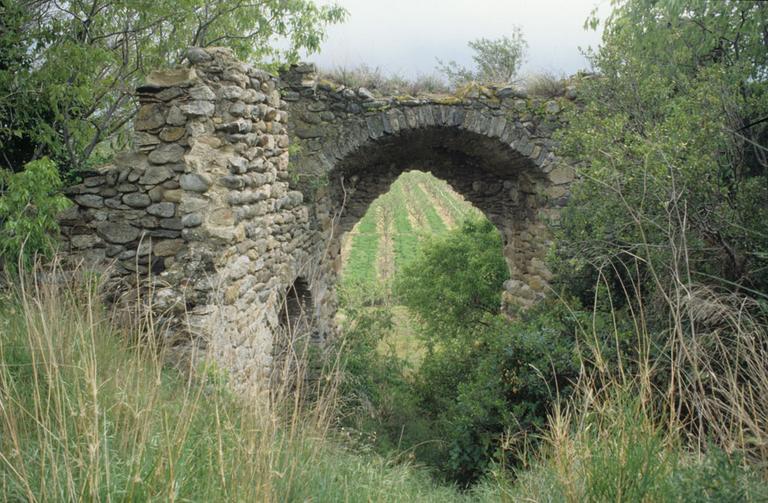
(406, 240)
(403, 338)
(435, 223)
(89, 413)
(360, 266)
(458, 208)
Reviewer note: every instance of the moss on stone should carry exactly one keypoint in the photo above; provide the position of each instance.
(448, 100)
(329, 84)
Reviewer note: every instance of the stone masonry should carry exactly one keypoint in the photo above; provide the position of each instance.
(216, 221)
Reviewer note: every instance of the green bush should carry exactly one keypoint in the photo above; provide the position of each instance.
(666, 231)
(671, 138)
(454, 281)
(485, 383)
(29, 204)
(489, 392)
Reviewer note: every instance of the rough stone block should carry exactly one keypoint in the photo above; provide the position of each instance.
(136, 200)
(117, 232)
(90, 201)
(165, 154)
(149, 117)
(156, 174)
(194, 182)
(164, 210)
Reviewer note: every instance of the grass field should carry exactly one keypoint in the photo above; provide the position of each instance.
(417, 206)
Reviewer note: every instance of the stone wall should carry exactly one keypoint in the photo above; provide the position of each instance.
(201, 210)
(492, 144)
(213, 219)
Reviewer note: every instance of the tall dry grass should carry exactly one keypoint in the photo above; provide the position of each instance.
(686, 424)
(380, 83)
(677, 408)
(88, 411)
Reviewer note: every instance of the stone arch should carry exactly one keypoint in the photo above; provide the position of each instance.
(296, 329)
(241, 182)
(296, 306)
(492, 156)
(507, 186)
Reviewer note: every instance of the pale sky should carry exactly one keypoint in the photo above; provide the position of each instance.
(405, 36)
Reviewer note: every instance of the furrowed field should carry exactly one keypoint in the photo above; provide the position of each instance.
(387, 237)
(417, 206)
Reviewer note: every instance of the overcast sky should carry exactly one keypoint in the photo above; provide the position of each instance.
(405, 36)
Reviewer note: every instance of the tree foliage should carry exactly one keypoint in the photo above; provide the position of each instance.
(485, 383)
(673, 143)
(29, 204)
(68, 69)
(496, 60)
(454, 282)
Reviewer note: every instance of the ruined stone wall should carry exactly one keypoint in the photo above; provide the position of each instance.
(216, 223)
(492, 144)
(201, 211)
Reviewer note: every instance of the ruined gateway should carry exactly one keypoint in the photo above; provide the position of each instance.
(242, 186)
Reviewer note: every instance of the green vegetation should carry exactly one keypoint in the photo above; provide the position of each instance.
(673, 139)
(90, 413)
(379, 83)
(417, 205)
(29, 205)
(68, 69)
(612, 451)
(496, 61)
(640, 381)
(360, 266)
(642, 378)
(481, 382)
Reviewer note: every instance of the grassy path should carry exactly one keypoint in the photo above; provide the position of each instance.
(405, 239)
(385, 264)
(432, 222)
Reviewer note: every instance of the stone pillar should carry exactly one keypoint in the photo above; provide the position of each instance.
(202, 211)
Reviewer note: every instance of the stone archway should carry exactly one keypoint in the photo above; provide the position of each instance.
(493, 146)
(242, 183)
(497, 180)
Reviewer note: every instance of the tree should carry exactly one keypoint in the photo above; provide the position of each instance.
(454, 282)
(673, 142)
(496, 61)
(68, 69)
(18, 105)
(483, 378)
(29, 203)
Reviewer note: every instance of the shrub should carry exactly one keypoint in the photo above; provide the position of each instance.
(545, 85)
(455, 281)
(486, 383)
(496, 61)
(667, 226)
(29, 204)
(489, 392)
